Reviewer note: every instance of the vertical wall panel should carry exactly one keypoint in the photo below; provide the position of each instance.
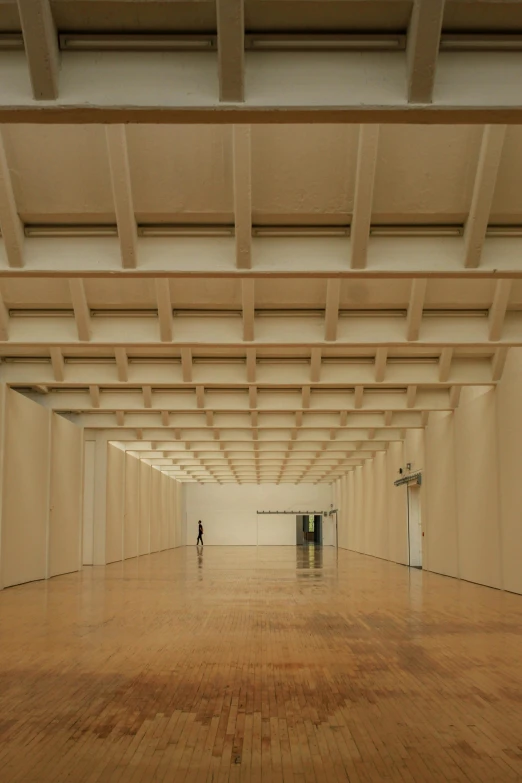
(509, 441)
(477, 487)
(66, 496)
(440, 488)
(164, 504)
(132, 506)
(181, 521)
(380, 510)
(155, 510)
(359, 510)
(397, 506)
(2, 442)
(369, 543)
(115, 502)
(144, 532)
(25, 499)
(89, 466)
(173, 513)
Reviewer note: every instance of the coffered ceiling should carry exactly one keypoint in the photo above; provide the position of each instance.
(238, 300)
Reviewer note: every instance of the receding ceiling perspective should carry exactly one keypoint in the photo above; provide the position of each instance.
(230, 237)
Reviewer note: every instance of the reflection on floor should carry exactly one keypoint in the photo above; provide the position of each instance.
(259, 664)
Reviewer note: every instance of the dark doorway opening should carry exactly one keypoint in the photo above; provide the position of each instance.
(310, 526)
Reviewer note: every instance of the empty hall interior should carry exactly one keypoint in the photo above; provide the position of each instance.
(260, 271)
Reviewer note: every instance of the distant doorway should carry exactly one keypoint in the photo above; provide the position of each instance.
(310, 527)
(414, 527)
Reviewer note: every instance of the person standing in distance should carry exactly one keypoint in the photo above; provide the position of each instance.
(200, 534)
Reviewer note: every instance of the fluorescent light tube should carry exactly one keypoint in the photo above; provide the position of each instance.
(416, 231)
(137, 43)
(504, 231)
(70, 231)
(481, 43)
(185, 231)
(318, 43)
(11, 42)
(301, 231)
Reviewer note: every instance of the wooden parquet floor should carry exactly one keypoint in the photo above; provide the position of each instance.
(259, 664)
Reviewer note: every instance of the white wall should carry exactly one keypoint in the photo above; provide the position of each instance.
(144, 507)
(41, 482)
(228, 512)
(471, 494)
(66, 500)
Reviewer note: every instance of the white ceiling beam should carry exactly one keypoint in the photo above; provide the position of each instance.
(58, 364)
(315, 365)
(251, 365)
(94, 392)
(120, 418)
(209, 416)
(371, 434)
(422, 49)
(358, 397)
(139, 434)
(164, 374)
(231, 50)
(82, 313)
(381, 357)
(171, 86)
(122, 194)
(388, 418)
(363, 194)
(445, 359)
(454, 396)
(242, 170)
(498, 309)
(200, 396)
(147, 396)
(483, 192)
(186, 364)
(165, 418)
(10, 223)
(427, 256)
(415, 308)
(305, 397)
(252, 397)
(425, 417)
(498, 362)
(411, 396)
(343, 418)
(164, 304)
(122, 363)
(248, 307)
(4, 320)
(41, 47)
(331, 316)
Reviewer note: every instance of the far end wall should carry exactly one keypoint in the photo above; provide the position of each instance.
(228, 512)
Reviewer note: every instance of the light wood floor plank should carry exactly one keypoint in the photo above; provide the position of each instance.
(259, 665)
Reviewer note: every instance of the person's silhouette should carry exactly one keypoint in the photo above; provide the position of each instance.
(200, 534)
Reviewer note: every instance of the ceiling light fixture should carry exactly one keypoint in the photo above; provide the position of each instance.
(301, 231)
(53, 232)
(137, 43)
(481, 43)
(322, 43)
(503, 231)
(11, 42)
(169, 230)
(416, 231)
